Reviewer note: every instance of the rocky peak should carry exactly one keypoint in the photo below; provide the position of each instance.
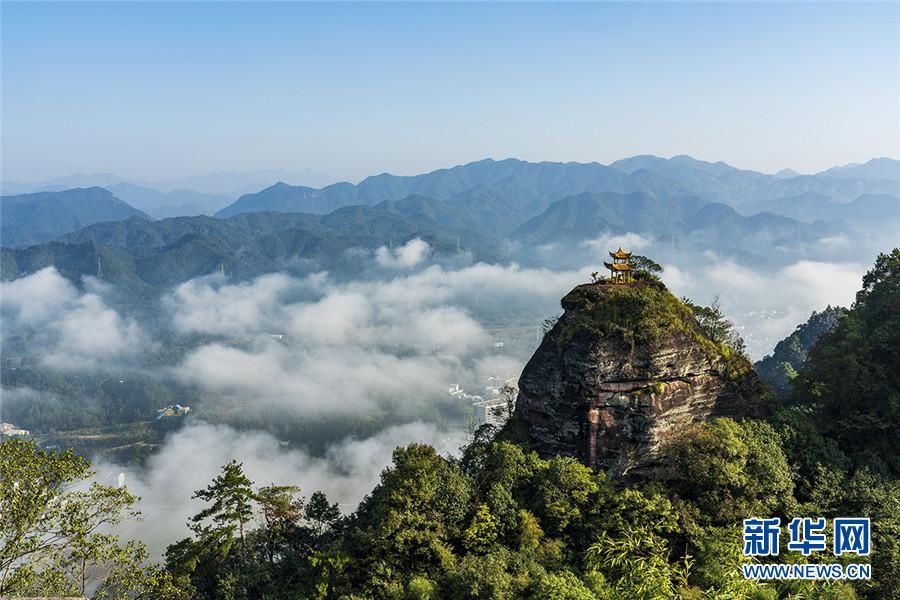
(624, 369)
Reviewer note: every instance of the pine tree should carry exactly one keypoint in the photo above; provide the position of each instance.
(231, 497)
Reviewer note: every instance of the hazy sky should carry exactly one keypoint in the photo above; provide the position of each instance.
(163, 90)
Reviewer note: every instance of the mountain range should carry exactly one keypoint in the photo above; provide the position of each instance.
(504, 194)
(476, 207)
(222, 183)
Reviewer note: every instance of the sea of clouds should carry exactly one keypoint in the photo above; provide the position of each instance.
(315, 346)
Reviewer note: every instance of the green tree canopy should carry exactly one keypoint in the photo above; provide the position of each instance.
(54, 529)
(645, 268)
(731, 470)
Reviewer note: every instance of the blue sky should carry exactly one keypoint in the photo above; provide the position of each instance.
(164, 90)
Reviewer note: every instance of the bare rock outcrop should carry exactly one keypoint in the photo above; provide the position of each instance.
(625, 368)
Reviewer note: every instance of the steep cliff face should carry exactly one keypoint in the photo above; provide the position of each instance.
(624, 369)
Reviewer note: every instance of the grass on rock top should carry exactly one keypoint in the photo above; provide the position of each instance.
(641, 312)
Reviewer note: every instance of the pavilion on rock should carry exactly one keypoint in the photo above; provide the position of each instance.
(620, 267)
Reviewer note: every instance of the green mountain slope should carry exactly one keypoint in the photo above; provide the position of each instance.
(36, 218)
(145, 256)
(791, 353)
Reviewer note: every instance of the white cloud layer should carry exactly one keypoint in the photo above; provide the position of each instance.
(194, 455)
(317, 347)
(606, 242)
(767, 306)
(70, 329)
(406, 256)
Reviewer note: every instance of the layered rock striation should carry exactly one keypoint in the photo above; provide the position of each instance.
(624, 369)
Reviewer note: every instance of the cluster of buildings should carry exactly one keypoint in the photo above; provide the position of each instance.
(172, 410)
(491, 407)
(493, 411)
(10, 430)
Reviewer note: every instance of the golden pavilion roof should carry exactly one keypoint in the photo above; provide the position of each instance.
(617, 266)
(620, 253)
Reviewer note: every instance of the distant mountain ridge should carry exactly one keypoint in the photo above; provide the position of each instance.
(503, 194)
(582, 217)
(175, 203)
(510, 191)
(876, 169)
(811, 206)
(224, 183)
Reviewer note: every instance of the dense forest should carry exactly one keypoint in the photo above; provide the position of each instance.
(500, 522)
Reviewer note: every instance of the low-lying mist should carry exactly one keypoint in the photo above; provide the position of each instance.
(191, 457)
